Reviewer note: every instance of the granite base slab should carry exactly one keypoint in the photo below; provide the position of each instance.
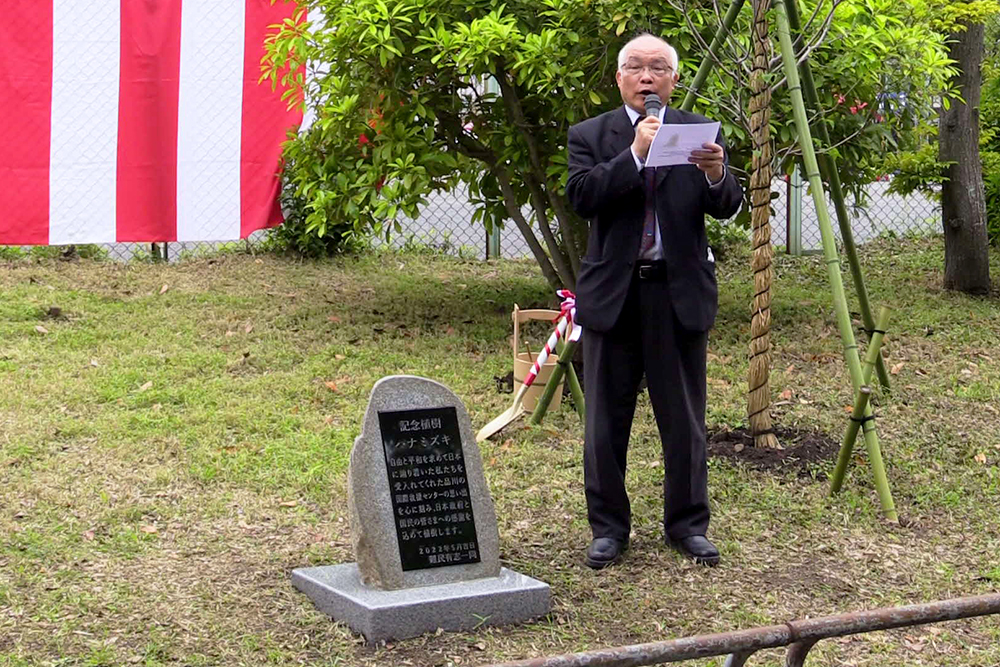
(337, 590)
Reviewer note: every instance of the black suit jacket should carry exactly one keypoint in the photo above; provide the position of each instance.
(605, 187)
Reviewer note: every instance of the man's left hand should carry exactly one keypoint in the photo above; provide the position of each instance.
(711, 160)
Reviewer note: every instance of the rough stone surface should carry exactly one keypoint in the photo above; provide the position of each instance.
(338, 591)
(374, 537)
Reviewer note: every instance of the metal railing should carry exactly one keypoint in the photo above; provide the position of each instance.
(799, 636)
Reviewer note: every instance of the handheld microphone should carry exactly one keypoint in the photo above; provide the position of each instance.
(652, 104)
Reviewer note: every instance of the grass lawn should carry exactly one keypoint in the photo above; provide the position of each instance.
(174, 441)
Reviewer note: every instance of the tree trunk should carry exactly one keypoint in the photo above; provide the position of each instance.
(550, 272)
(963, 202)
(758, 385)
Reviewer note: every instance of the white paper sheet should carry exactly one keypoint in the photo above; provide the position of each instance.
(672, 144)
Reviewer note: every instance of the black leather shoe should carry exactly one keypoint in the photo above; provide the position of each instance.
(604, 551)
(698, 548)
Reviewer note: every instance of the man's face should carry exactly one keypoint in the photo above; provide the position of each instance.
(647, 69)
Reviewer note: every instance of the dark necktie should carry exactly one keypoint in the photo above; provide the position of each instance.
(649, 221)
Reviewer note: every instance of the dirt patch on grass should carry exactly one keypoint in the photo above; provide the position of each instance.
(807, 453)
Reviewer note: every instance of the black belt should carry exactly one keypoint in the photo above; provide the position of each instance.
(648, 270)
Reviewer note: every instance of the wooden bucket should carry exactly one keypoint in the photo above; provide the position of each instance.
(523, 363)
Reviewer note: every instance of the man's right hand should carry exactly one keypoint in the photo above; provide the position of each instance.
(644, 132)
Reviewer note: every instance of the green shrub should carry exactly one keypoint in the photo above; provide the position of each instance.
(991, 181)
(917, 170)
(295, 236)
(727, 237)
(12, 252)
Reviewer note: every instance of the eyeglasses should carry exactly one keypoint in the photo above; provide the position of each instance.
(657, 69)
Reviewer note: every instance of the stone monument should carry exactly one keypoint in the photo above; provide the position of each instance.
(423, 525)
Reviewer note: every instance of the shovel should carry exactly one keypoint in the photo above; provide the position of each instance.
(517, 409)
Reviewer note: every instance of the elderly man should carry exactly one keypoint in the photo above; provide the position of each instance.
(646, 298)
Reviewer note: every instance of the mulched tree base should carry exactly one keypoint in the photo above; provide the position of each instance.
(807, 453)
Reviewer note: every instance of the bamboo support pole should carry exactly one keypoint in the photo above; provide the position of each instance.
(575, 390)
(706, 65)
(868, 427)
(847, 447)
(563, 367)
(828, 168)
(858, 418)
(829, 242)
(874, 348)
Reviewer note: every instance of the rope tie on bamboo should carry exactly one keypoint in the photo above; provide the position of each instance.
(862, 420)
(875, 331)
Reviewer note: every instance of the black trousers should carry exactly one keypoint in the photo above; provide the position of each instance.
(647, 338)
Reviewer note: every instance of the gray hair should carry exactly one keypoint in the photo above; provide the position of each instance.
(623, 53)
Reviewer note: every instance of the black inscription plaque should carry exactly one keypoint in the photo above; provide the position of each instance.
(429, 488)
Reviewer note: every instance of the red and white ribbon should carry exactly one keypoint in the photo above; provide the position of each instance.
(567, 312)
(568, 309)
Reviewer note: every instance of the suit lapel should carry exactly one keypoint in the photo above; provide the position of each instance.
(621, 133)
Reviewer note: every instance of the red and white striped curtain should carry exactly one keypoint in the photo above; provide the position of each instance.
(137, 120)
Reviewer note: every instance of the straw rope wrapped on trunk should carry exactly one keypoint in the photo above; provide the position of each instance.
(759, 395)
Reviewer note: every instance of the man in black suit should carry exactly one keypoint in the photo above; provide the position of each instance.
(646, 298)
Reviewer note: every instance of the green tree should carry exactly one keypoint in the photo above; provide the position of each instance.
(953, 157)
(416, 95)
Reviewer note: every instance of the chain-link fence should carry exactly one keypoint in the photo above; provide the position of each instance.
(877, 213)
(445, 225)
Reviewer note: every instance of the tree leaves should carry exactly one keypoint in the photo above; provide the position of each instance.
(417, 106)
